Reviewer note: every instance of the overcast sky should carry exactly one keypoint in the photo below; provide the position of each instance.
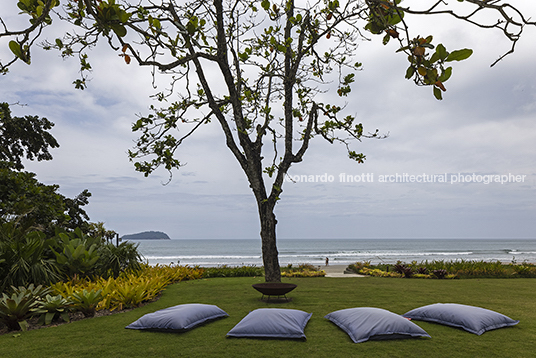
(486, 125)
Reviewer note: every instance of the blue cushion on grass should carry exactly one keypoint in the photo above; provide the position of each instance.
(364, 323)
(473, 319)
(179, 318)
(272, 323)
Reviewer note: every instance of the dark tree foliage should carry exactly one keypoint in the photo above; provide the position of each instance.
(23, 198)
(26, 136)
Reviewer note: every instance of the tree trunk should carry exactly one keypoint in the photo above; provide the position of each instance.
(270, 258)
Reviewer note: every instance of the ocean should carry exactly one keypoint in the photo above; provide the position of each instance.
(217, 252)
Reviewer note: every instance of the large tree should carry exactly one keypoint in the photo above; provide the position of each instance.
(260, 69)
(22, 197)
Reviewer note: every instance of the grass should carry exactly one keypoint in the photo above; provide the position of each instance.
(106, 337)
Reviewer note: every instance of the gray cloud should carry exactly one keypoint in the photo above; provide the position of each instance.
(485, 125)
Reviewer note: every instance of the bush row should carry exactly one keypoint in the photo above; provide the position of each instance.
(231, 271)
(129, 289)
(446, 269)
(302, 270)
(29, 256)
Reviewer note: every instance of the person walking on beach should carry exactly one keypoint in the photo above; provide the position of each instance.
(327, 261)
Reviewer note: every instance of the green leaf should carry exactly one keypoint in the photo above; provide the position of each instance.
(119, 30)
(14, 46)
(191, 27)
(124, 16)
(395, 18)
(437, 93)
(65, 316)
(445, 75)
(442, 52)
(403, 48)
(49, 316)
(265, 4)
(23, 325)
(410, 72)
(80, 250)
(459, 55)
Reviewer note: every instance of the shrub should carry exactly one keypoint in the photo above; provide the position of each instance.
(116, 259)
(302, 270)
(76, 253)
(129, 289)
(524, 270)
(358, 266)
(15, 309)
(28, 256)
(86, 301)
(452, 269)
(52, 306)
(228, 271)
(422, 270)
(23, 259)
(403, 269)
(379, 273)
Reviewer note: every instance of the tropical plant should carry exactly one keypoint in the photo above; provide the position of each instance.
(16, 308)
(24, 257)
(439, 273)
(98, 230)
(86, 301)
(403, 269)
(230, 271)
(78, 252)
(422, 270)
(50, 307)
(452, 269)
(524, 269)
(116, 259)
(302, 270)
(130, 288)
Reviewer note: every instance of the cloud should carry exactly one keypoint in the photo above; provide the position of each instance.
(484, 125)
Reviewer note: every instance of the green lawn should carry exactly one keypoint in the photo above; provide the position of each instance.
(106, 336)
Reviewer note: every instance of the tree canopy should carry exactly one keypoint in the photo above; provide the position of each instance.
(24, 137)
(262, 70)
(23, 198)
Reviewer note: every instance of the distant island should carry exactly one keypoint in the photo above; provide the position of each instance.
(147, 235)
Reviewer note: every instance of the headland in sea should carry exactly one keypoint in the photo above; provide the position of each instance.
(238, 252)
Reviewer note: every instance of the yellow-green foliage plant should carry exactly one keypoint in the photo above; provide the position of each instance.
(379, 273)
(303, 270)
(305, 273)
(130, 289)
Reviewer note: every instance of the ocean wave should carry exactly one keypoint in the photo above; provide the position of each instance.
(202, 257)
(385, 254)
(244, 252)
(315, 255)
